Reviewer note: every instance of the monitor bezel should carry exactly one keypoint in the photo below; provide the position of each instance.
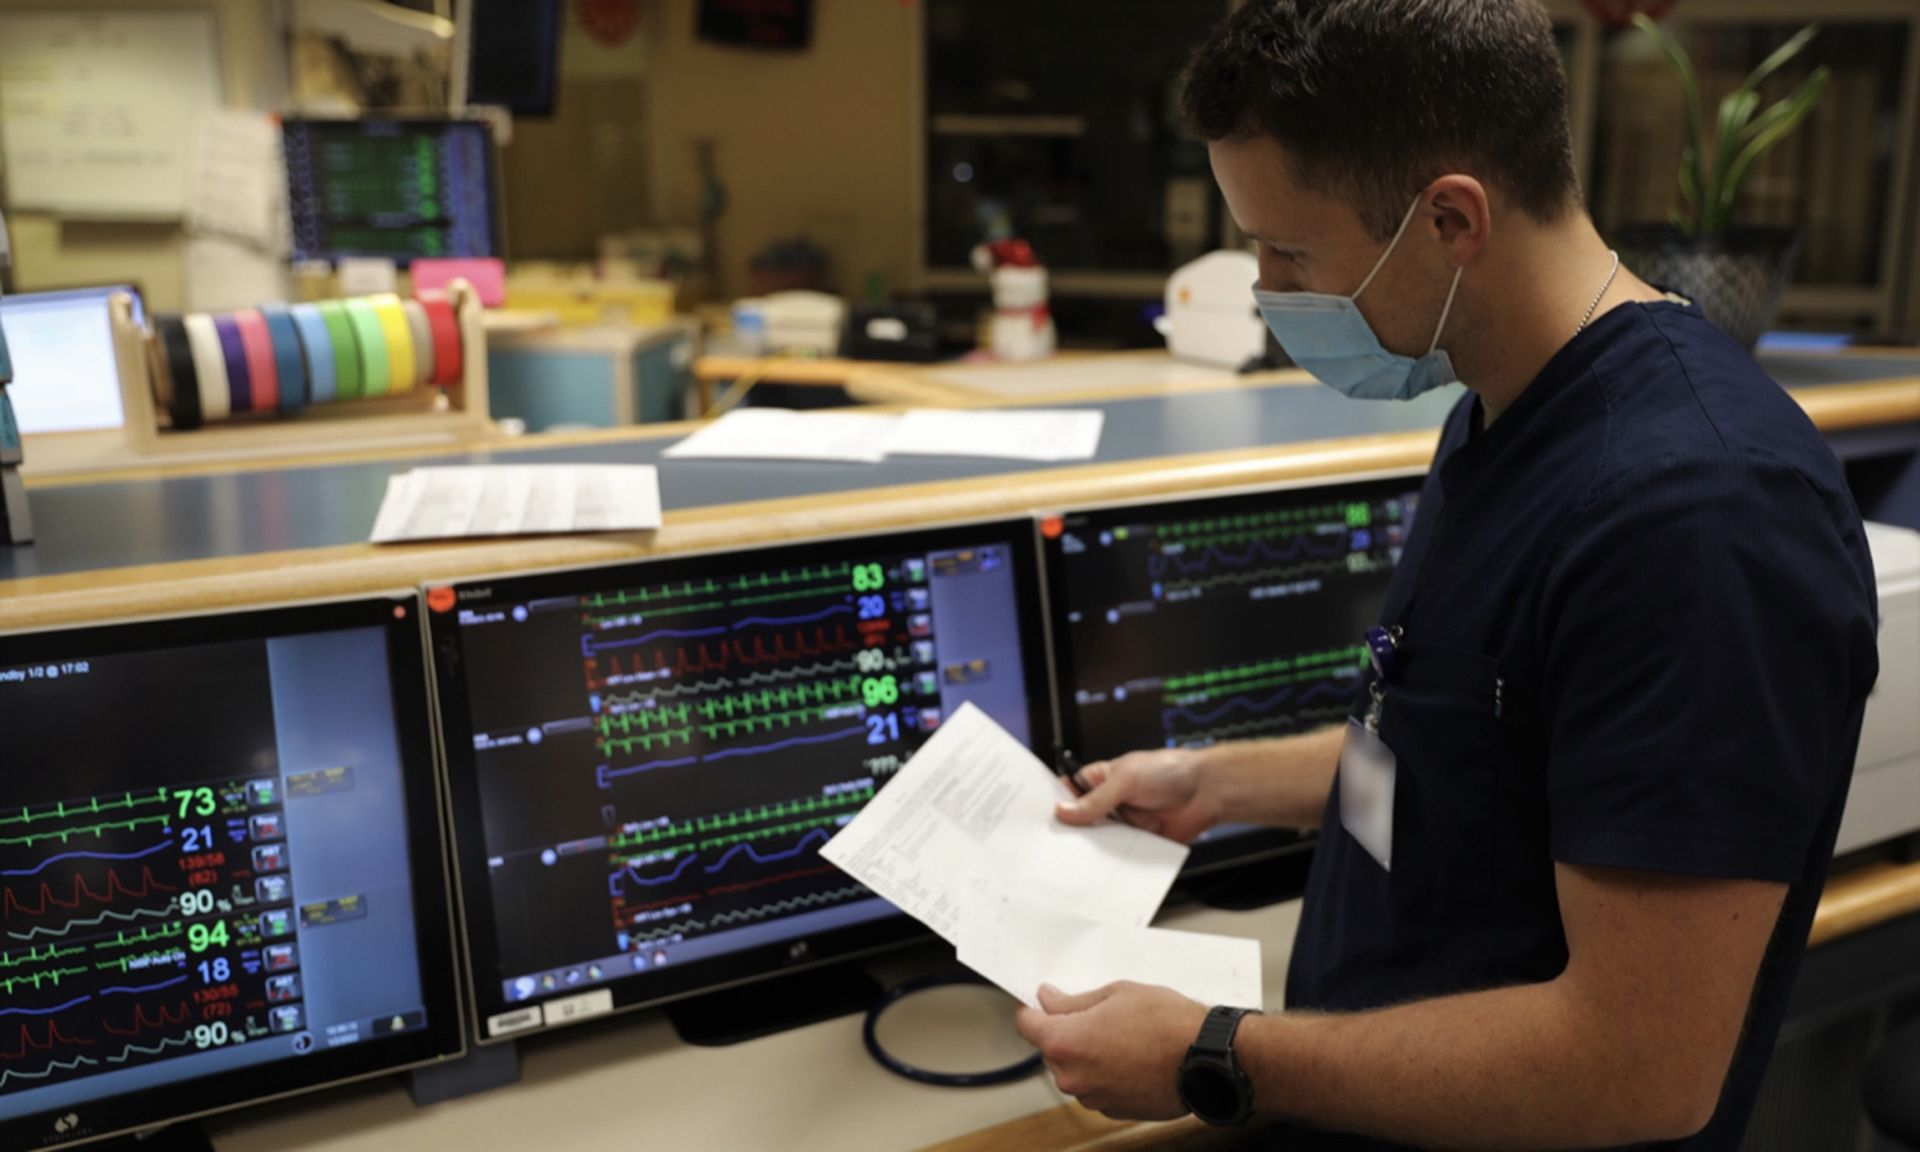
(473, 895)
(444, 1037)
(496, 211)
(1248, 847)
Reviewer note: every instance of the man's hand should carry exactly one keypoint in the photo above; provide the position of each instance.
(1118, 1049)
(1161, 791)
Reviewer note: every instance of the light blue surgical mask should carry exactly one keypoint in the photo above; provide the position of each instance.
(1327, 336)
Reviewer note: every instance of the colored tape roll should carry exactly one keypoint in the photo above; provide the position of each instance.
(209, 366)
(263, 373)
(446, 336)
(422, 341)
(399, 335)
(376, 363)
(233, 351)
(288, 363)
(316, 352)
(351, 383)
(176, 352)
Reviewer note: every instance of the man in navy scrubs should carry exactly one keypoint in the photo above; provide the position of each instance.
(1573, 837)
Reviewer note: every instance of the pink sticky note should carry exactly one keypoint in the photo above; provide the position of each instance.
(488, 277)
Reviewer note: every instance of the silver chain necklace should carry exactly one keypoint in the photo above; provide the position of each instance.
(1601, 295)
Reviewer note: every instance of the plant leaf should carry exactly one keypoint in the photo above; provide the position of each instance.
(1688, 192)
(1780, 56)
(1690, 87)
(1796, 106)
(1735, 111)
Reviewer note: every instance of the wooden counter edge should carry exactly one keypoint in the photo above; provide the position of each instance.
(1853, 901)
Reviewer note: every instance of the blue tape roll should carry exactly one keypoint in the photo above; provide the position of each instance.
(287, 361)
(317, 346)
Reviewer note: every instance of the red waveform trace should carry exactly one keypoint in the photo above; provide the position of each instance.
(54, 1040)
(706, 659)
(766, 880)
(10, 903)
(167, 1018)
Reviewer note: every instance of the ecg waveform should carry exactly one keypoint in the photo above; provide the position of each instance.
(140, 926)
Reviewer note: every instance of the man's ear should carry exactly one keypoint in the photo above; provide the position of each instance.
(1459, 217)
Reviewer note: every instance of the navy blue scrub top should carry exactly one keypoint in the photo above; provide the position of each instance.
(1639, 632)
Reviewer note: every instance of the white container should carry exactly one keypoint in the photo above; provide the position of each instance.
(1884, 801)
(806, 322)
(1211, 318)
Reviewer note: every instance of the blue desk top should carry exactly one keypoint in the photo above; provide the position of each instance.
(121, 524)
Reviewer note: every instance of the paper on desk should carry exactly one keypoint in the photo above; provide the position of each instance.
(517, 500)
(1027, 434)
(974, 798)
(1020, 945)
(779, 434)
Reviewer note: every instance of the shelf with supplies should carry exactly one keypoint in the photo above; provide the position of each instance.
(280, 382)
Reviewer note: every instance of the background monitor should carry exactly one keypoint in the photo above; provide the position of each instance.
(65, 375)
(398, 189)
(1187, 623)
(512, 53)
(221, 866)
(643, 761)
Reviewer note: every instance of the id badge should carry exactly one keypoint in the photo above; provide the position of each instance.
(1366, 792)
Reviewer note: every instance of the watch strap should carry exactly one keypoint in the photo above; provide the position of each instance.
(1217, 1031)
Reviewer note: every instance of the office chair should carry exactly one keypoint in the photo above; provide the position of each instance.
(1892, 1087)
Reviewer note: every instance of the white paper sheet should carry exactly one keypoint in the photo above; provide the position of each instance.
(779, 434)
(517, 500)
(1027, 434)
(1020, 945)
(974, 798)
(239, 180)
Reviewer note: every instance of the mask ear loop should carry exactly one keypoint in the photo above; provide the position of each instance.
(1446, 311)
(1391, 245)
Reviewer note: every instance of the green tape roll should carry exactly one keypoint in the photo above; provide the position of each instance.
(346, 351)
(376, 363)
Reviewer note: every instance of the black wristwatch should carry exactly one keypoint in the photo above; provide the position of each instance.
(1213, 1086)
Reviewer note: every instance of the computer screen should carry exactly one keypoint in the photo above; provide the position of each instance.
(513, 53)
(643, 761)
(65, 377)
(1238, 617)
(399, 189)
(221, 866)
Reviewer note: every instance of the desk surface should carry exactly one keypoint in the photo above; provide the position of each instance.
(630, 1082)
(221, 534)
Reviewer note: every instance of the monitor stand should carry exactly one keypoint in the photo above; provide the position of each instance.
(184, 1137)
(1256, 884)
(755, 1010)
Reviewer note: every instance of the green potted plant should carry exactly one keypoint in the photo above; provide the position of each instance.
(1736, 274)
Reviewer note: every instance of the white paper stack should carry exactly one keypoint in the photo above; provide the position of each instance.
(518, 500)
(965, 840)
(867, 438)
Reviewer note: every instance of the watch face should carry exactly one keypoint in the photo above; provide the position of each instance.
(1210, 1092)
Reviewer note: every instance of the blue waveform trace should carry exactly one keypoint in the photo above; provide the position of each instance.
(1159, 563)
(1202, 719)
(164, 984)
(800, 849)
(45, 1011)
(52, 860)
(608, 775)
(793, 742)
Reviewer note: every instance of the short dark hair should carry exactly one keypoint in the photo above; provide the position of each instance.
(1377, 98)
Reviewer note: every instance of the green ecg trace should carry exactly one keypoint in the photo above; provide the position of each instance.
(741, 838)
(64, 809)
(52, 976)
(767, 699)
